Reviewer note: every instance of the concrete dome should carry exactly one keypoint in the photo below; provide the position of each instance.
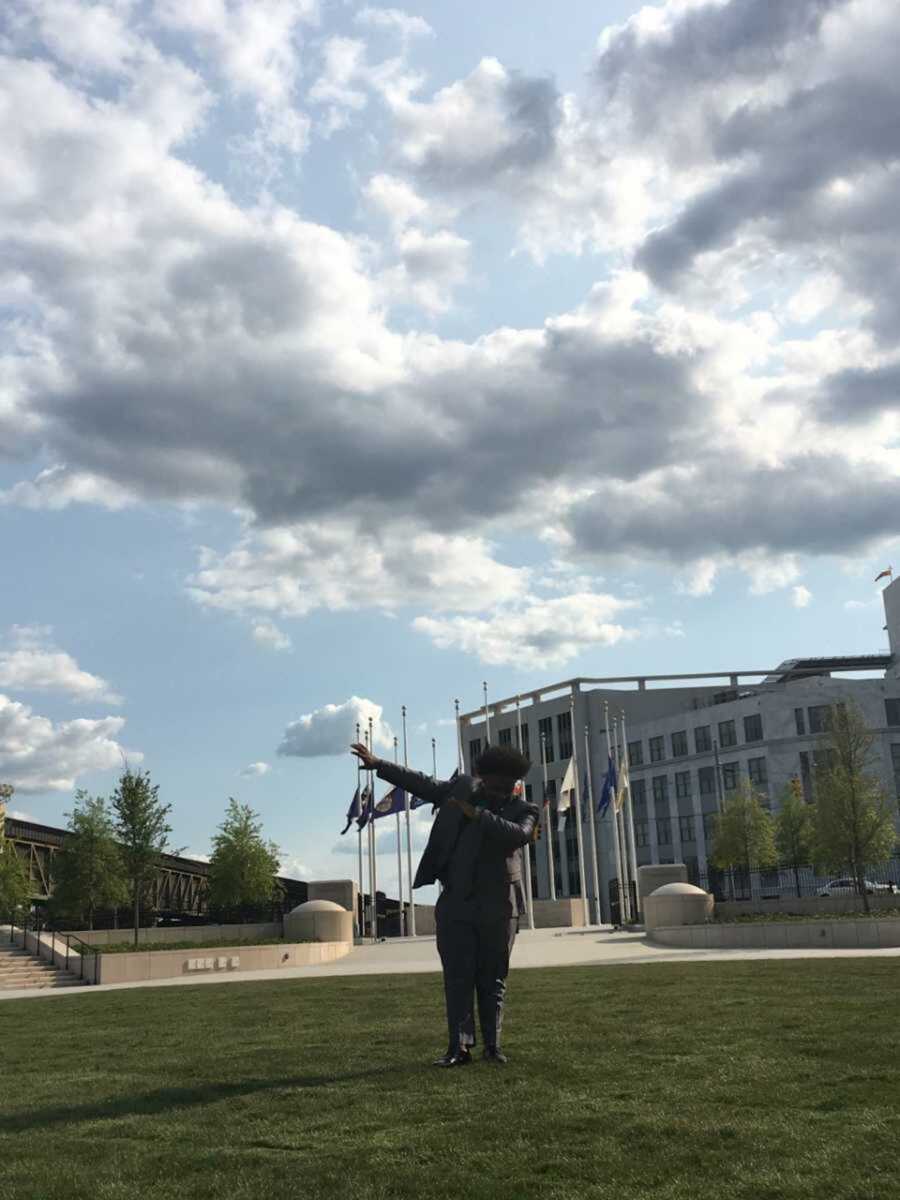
(678, 889)
(316, 906)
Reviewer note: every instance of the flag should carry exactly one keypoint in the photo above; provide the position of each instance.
(585, 792)
(366, 808)
(353, 812)
(622, 786)
(566, 788)
(609, 787)
(889, 572)
(393, 801)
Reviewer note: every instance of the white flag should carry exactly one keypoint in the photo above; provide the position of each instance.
(566, 788)
(622, 785)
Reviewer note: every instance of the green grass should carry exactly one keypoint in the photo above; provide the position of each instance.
(768, 1080)
(130, 948)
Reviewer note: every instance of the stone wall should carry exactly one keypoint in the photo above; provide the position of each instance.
(778, 935)
(180, 933)
(221, 960)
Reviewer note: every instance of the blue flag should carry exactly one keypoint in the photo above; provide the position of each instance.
(393, 801)
(365, 808)
(353, 812)
(609, 788)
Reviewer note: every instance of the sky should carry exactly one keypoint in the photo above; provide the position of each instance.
(352, 356)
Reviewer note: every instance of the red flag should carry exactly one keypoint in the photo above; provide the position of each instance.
(889, 572)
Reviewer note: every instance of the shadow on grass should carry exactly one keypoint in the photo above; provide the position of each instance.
(167, 1099)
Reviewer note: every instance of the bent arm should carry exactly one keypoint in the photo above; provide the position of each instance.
(417, 783)
(510, 834)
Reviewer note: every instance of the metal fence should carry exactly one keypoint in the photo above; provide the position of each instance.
(786, 881)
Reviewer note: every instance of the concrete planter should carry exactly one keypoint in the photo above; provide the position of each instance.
(781, 935)
(216, 960)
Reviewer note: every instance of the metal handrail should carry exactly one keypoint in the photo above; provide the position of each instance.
(31, 923)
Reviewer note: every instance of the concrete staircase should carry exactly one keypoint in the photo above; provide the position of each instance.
(19, 969)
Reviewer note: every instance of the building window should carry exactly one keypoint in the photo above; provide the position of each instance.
(823, 760)
(799, 722)
(706, 781)
(818, 718)
(474, 751)
(679, 744)
(504, 737)
(753, 728)
(564, 731)
(641, 834)
(657, 749)
(660, 788)
(702, 739)
(546, 729)
(550, 794)
(892, 712)
(727, 734)
(638, 789)
(895, 759)
(729, 776)
(525, 740)
(686, 829)
(635, 754)
(682, 784)
(528, 794)
(709, 826)
(663, 831)
(806, 777)
(758, 770)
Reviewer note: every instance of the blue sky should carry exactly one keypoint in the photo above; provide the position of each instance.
(353, 355)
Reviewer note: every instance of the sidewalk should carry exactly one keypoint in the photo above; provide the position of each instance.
(597, 946)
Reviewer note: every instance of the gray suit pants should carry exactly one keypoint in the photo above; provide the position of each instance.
(474, 945)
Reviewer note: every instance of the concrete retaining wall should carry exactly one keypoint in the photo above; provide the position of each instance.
(223, 960)
(181, 933)
(783, 935)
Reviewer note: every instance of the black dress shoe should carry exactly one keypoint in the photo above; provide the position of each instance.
(492, 1054)
(456, 1058)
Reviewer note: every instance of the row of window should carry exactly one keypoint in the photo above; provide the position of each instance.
(703, 743)
(687, 830)
(757, 773)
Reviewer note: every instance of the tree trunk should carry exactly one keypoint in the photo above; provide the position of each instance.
(137, 911)
(797, 879)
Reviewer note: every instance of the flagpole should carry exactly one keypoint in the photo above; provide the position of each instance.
(526, 850)
(374, 858)
(487, 718)
(593, 826)
(360, 914)
(411, 922)
(399, 859)
(579, 833)
(620, 822)
(629, 824)
(434, 759)
(618, 852)
(459, 753)
(551, 874)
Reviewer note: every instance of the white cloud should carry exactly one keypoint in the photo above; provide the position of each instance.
(31, 663)
(268, 634)
(255, 770)
(800, 596)
(540, 633)
(394, 20)
(37, 755)
(56, 487)
(331, 729)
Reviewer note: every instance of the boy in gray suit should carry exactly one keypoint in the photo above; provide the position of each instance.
(475, 850)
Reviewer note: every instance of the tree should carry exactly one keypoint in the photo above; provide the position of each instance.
(89, 873)
(854, 819)
(15, 889)
(142, 830)
(744, 835)
(243, 866)
(794, 830)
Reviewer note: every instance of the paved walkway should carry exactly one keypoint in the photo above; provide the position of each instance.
(600, 947)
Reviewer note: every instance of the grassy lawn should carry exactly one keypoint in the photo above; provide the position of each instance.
(745, 1081)
(201, 944)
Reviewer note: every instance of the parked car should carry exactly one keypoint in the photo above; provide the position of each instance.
(847, 887)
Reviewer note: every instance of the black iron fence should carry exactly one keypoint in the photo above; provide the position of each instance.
(785, 882)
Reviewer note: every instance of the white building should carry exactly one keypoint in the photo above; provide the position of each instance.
(691, 739)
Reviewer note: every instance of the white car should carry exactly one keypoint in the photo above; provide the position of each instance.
(847, 887)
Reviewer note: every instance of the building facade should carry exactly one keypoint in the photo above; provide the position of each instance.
(691, 741)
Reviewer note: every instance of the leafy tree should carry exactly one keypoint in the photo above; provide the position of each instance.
(15, 889)
(744, 833)
(88, 874)
(142, 830)
(243, 866)
(794, 830)
(854, 819)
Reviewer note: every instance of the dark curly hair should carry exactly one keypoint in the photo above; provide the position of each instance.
(505, 761)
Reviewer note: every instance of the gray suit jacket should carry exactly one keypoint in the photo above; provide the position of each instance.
(474, 859)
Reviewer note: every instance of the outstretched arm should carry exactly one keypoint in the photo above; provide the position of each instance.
(434, 791)
(510, 834)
